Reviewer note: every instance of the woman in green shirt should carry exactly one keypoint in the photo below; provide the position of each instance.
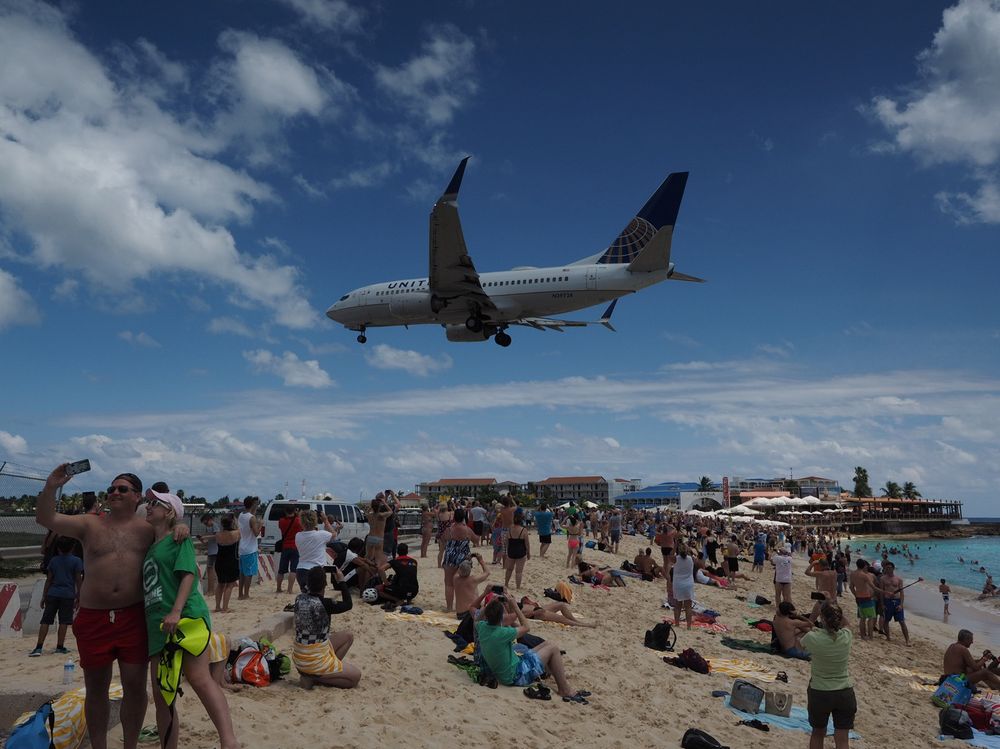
(178, 625)
(831, 691)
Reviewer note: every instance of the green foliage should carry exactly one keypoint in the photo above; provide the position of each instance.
(910, 490)
(861, 486)
(892, 490)
(705, 484)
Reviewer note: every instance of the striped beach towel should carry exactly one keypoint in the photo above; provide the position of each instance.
(316, 659)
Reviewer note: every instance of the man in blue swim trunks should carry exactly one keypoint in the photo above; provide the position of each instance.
(892, 598)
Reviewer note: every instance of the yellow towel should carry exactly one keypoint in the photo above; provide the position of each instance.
(317, 659)
(742, 667)
(900, 671)
(70, 722)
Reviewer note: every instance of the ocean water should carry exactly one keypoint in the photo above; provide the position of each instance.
(940, 558)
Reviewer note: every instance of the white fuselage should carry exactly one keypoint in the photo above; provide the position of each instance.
(519, 293)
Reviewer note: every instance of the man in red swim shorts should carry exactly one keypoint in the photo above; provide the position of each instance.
(111, 623)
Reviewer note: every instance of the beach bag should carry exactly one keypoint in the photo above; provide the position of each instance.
(955, 723)
(251, 667)
(36, 731)
(746, 696)
(563, 589)
(761, 601)
(692, 659)
(661, 637)
(980, 718)
(591, 544)
(695, 738)
(553, 594)
(951, 691)
(777, 703)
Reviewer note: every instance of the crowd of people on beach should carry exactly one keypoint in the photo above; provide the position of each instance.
(140, 600)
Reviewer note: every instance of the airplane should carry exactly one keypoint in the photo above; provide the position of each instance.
(474, 306)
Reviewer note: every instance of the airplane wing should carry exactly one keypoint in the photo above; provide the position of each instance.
(452, 277)
(549, 323)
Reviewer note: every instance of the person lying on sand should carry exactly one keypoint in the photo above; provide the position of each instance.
(557, 612)
(591, 574)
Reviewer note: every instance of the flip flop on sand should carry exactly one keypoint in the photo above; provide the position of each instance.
(755, 723)
(149, 735)
(538, 692)
(577, 698)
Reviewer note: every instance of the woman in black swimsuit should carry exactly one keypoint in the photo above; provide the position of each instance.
(518, 550)
(227, 563)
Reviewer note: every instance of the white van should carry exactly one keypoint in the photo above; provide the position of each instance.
(354, 520)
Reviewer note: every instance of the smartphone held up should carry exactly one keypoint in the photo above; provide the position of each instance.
(80, 466)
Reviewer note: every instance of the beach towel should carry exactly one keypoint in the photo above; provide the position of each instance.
(70, 726)
(742, 668)
(900, 671)
(798, 720)
(752, 645)
(711, 626)
(981, 739)
(437, 618)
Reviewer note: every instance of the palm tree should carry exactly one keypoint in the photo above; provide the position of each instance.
(705, 484)
(861, 487)
(910, 490)
(892, 490)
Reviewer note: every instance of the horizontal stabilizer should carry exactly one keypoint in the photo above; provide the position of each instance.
(675, 276)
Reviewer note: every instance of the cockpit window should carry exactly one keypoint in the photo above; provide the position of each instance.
(344, 297)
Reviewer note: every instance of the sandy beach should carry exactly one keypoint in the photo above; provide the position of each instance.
(411, 696)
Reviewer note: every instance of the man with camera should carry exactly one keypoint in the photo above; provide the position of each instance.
(826, 579)
(375, 541)
(788, 628)
(958, 660)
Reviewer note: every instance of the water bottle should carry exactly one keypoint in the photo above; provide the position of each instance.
(69, 672)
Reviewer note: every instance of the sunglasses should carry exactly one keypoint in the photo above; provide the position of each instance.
(120, 489)
(154, 502)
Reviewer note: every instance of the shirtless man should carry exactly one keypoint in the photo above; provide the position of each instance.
(376, 530)
(111, 623)
(731, 558)
(467, 585)
(646, 565)
(958, 660)
(667, 540)
(862, 586)
(826, 579)
(892, 600)
(788, 630)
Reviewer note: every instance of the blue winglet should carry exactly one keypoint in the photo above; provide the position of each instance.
(456, 180)
(606, 317)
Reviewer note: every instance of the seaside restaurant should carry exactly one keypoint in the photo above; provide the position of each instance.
(885, 508)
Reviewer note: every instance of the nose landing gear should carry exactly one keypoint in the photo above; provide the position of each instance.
(502, 339)
(362, 338)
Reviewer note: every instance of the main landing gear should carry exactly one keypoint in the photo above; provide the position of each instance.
(362, 338)
(502, 339)
(474, 323)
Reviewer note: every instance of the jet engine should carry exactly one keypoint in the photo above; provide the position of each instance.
(461, 334)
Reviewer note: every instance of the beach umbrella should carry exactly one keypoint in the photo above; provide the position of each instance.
(825, 512)
(811, 500)
(787, 512)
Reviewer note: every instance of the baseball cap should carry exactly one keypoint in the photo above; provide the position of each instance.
(170, 500)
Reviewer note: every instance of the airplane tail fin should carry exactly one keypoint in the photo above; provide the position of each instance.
(658, 214)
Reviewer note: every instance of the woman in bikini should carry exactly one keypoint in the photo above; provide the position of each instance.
(426, 529)
(445, 515)
(457, 538)
(227, 563)
(590, 574)
(557, 612)
(518, 549)
(573, 531)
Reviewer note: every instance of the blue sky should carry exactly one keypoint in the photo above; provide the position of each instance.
(184, 190)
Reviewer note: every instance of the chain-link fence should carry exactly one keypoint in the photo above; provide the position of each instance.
(19, 485)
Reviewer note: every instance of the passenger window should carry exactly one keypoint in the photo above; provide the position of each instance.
(348, 513)
(276, 513)
(334, 512)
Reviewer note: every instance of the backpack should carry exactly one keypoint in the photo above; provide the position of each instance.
(553, 594)
(36, 732)
(661, 637)
(251, 667)
(695, 738)
(692, 659)
(953, 722)
(761, 601)
(746, 696)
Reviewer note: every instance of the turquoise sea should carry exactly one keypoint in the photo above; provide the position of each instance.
(941, 558)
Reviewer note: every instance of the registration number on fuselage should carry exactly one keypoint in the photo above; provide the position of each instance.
(563, 295)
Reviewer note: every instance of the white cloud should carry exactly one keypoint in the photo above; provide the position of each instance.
(66, 290)
(437, 82)
(297, 444)
(422, 365)
(369, 176)
(956, 455)
(421, 461)
(16, 305)
(308, 187)
(12, 444)
(332, 15)
(499, 460)
(612, 443)
(109, 186)
(292, 370)
(950, 115)
(139, 339)
(231, 325)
